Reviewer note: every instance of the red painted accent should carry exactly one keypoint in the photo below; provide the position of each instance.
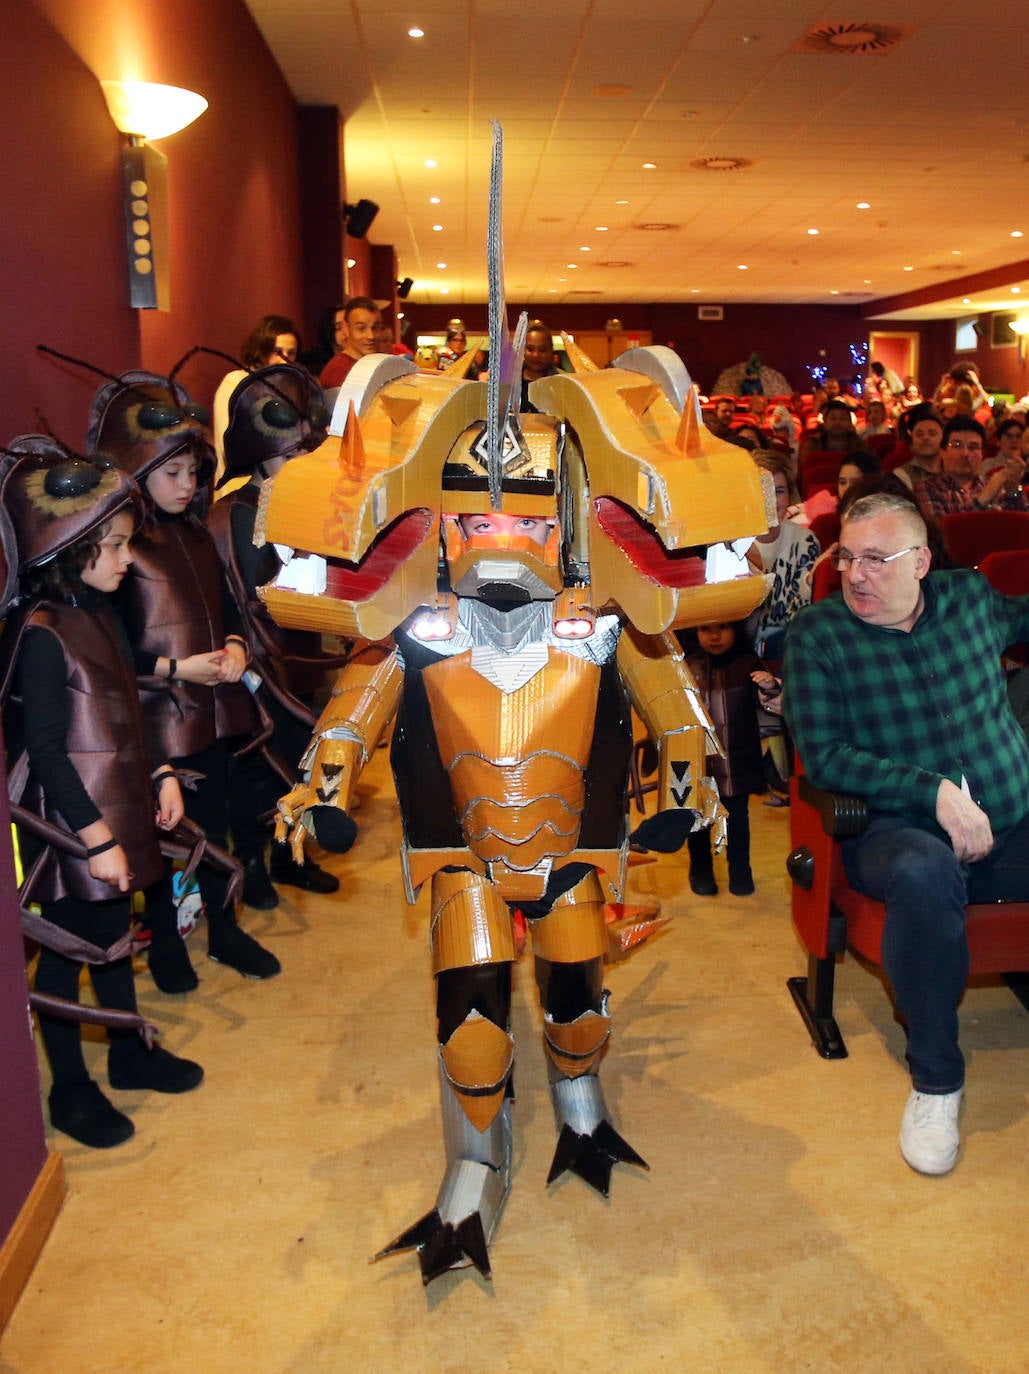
(644, 549)
(359, 581)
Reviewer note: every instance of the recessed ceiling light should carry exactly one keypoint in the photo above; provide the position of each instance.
(416, 33)
(1016, 290)
(694, 290)
(909, 269)
(742, 267)
(834, 293)
(434, 200)
(600, 228)
(444, 290)
(437, 228)
(955, 252)
(562, 278)
(552, 290)
(1017, 234)
(650, 166)
(689, 114)
(441, 266)
(863, 205)
(611, 92)
(621, 202)
(966, 300)
(573, 265)
(812, 231)
(585, 248)
(430, 162)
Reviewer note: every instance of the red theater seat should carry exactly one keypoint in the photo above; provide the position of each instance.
(830, 917)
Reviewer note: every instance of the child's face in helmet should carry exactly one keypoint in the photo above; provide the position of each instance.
(527, 526)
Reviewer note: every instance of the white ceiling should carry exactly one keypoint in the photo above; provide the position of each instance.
(933, 134)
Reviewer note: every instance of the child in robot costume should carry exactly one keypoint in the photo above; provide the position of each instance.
(72, 706)
(529, 568)
(190, 653)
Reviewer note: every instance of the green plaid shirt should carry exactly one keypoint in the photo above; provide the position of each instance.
(886, 715)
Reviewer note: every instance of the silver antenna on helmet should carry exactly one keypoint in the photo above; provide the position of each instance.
(503, 392)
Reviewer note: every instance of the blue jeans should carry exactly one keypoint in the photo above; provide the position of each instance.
(925, 952)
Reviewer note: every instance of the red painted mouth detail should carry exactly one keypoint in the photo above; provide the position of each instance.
(644, 550)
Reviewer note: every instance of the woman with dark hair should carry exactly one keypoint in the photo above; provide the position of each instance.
(332, 335)
(273, 339)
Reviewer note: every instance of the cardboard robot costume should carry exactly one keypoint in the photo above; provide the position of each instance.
(573, 541)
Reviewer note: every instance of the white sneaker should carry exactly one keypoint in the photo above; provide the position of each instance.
(929, 1137)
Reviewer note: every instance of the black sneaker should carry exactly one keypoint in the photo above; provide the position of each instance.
(227, 944)
(84, 1113)
(307, 875)
(131, 1065)
(257, 886)
(169, 965)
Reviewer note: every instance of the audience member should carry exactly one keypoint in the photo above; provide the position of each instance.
(332, 333)
(733, 683)
(836, 433)
(944, 772)
(719, 419)
(788, 552)
(961, 374)
(538, 360)
(886, 382)
(876, 421)
(960, 486)
(1010, 434)
(924, 431)
(362, 318)
(273, 339)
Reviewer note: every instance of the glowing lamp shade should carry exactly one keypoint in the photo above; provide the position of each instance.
(145, 109)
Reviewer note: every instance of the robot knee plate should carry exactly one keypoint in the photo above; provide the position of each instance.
(471, 922)
(477, 1062)
(574, 929)
(575, 1047)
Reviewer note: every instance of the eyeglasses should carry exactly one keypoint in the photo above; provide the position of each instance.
(960, 443)
(871, 562)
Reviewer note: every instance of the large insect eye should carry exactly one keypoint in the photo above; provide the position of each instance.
(158, 415)
(197, 412)
(279, 414)
(71, 479)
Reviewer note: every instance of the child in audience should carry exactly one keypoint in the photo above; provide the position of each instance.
(734, 683)
(74, 709)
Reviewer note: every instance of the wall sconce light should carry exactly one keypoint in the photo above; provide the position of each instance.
(1020, 326)
(144, 110)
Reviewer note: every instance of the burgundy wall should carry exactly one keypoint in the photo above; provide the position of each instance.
(788, 337)
(234, 217)
(22, 1139)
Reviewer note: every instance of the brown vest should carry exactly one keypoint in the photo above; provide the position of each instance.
(172, 601)
(106, 746)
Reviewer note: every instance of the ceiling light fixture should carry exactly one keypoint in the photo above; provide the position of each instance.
(650, 166)
(437, 228)
(1017, 234)
(434, 200)
(863, 205)
(600, 228)
(442, 266)
(909, 269)
(1016, 290)
(430, 162)
(585, 248)
(813, 232)
(966, 300)
(742, 267)
(621, 202)
(416, 33)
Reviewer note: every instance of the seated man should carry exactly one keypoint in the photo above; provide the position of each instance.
(836, 433)
(960, 486)
(895, 694)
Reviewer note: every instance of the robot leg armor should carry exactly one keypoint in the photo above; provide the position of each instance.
(472, 949)
(569, 943)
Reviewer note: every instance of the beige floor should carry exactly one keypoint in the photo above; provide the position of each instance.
(777, 1230)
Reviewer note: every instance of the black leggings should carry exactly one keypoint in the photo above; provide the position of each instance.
(102, 923)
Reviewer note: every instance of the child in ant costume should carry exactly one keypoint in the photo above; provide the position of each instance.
(274, 413)
(73, 706)
(190, 652)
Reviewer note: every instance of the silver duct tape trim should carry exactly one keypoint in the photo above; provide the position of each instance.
(462, 1141)
(467, 1188)
(579, 1103)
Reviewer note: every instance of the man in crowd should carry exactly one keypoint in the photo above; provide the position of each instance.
(896, 695)
(836, 433)
(363, 322)
(537, 361)
(959, 486)
(925, 435)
